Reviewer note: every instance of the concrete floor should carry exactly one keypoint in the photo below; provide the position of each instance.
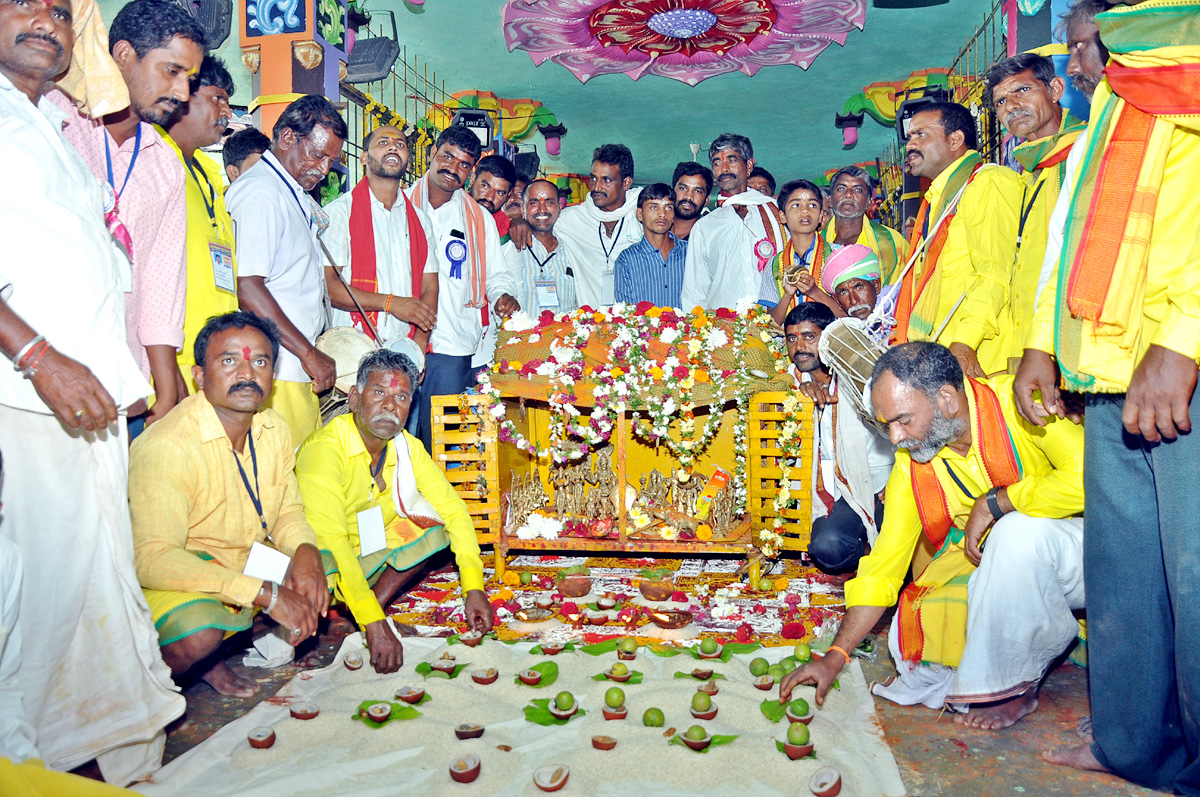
(936, 756)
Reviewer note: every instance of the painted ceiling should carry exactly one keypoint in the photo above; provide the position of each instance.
(786, 111)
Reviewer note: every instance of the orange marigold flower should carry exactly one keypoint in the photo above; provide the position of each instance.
(616, 372)
(656, 372)
(700, 375)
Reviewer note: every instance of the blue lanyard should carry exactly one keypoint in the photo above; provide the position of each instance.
(307, 216)
(137, 148)
(377, 469)
(255, 493)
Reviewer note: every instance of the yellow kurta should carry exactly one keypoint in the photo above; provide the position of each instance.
(869, 238)
(1051, 486)
(333, 468)
(204, 297)
(187, 500)
(1170, 307)
(976, 261)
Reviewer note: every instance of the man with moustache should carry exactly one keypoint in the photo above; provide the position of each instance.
(471, 271)
(544, 271)
(88, 637)
(211, 264)
(382, 508)
(514, 208)
(491, 186)
(382, 244)
(652, 269)
(1024, 92)
(158, 49)
(851, 191)
(215, 487)
(967, 465)
(281, 273)
(852, 278)
(1088, 55)
(693, 183)
(604, 225)
(855, 459)
(969, 216)
(729, 249)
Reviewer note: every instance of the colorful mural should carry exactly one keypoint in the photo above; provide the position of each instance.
(520, 119)
(880, 100)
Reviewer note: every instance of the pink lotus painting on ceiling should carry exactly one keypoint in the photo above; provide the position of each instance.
(686, 40)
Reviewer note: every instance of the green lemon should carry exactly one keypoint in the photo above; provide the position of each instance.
(619, 669)
(776, 672)
(526, 578)
(696, 733)
(653, 718)
(788, 663)
(799, 707)
(709, 646)
(614, 697)
(766, 585)
(564, 701)
(797, 733)
(803, 652)
(628, 645)
(759, 667)
(701, 701)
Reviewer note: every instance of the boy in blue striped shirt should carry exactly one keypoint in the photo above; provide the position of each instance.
(652, 269)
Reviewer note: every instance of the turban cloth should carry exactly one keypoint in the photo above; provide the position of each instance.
(93, 80)
(850, 262)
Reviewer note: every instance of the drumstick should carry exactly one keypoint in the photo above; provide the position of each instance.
(341, 279)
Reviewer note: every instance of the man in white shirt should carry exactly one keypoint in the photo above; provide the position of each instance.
(280, 269)
(729, 249)
(604, 225)
(545, 269)
(400, 299)
(471, 270)
(855, 460)
(89, 641)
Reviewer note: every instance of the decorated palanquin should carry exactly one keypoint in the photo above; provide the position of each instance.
(635, 429)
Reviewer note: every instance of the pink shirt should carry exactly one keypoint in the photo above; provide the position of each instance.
(153, 208)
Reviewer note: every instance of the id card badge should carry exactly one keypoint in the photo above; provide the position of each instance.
(267, 563)
(547, 293)
(372, 536)
(222, 266)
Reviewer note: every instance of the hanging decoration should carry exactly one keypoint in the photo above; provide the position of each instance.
(686, 40)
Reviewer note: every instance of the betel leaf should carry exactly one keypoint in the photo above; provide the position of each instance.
(426, 670)
(399, 712)
(536, 649)
(549, 671)
(655, 574)
(717, 741)
(454, 640)
(779, 747)
(600, 648)
(712, 677)
(670, 650)
(773, 710)
(538, 712)
(733, 648)
(635, 677)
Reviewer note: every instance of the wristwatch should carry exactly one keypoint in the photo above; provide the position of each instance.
(993, 504)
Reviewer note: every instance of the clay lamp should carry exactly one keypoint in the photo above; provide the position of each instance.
(604, 742)
(410, 694)
(657, 590)
(696, 738)
(530, 677)
(551, 778)
(470, 638)
(544, 602)
(631, 621)
(553, 648)
(703, 707)
(354, 660)
(444, 664)
(485, 677)
(534, 615)
(618, 713)
(670, 618)
(465, 769)
(261, 738)
(468, 730)
(304, 710)
(764, 682)
(799, 711)
(618, 672)
(702, 675)
(379, 712)
(826, 782)
(709, 688)
(576, 621)
(606, 603)
(597, 618)
(564, 706)
(798, 744)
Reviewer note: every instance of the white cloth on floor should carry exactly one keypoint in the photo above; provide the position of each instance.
(94, 681)
(17, 737)
(1019, 617)
(268, 652)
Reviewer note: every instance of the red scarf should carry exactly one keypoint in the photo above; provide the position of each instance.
(363, 269)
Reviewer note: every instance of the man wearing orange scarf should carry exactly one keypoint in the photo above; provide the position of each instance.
(969, 470)
(1120, 317)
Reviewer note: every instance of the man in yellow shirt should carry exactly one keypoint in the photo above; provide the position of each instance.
(967, 463)
(211, 268)
(852, 189)
(381, 507)
(969, 215)
(1120, 318)
(216, 511)
(1024, 92)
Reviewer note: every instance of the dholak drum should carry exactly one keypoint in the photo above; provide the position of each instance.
(347, 346)
(409, 348)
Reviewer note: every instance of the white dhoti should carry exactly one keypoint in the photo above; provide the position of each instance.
(94, 682)
(16, 734)
(1019, 617)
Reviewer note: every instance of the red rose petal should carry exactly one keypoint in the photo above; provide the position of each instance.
(792, 631)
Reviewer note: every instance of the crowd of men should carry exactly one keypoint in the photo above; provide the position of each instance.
(1022, 301)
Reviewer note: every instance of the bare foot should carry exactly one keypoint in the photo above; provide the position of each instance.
(229, 683)
(1078, 756)
(997, 716)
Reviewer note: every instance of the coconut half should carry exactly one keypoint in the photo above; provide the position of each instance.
(826, 782)
(304, 710)
(261, 738)
(466, 768)
(552, 777)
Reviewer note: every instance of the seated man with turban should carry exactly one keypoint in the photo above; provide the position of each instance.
(381, 507)
(852, 278)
